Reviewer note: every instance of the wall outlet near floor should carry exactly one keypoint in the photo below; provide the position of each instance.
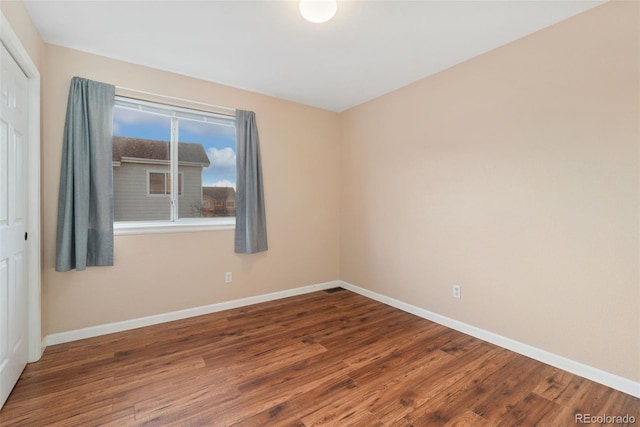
(228, 277)
(457, 291)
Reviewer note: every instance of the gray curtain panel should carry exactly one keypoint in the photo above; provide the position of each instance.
(85, 200)
(251, 224)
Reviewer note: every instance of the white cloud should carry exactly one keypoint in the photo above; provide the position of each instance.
(223, 159)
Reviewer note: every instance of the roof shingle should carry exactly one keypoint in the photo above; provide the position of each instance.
(150, 149)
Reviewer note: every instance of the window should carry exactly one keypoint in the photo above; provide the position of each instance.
(153, 143)
(231, 204)
(160, 183)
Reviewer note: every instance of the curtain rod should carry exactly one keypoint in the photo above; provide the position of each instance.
(233, 110)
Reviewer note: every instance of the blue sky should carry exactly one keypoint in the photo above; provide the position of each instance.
(217, 140)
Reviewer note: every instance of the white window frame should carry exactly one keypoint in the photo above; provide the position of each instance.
(175, 224)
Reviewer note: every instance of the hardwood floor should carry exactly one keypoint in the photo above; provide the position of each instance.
(335, 359)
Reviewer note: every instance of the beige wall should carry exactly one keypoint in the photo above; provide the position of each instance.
(21, 23)
(515, 175)
(165, 272)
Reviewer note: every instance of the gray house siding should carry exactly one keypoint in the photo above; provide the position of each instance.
(132, 201)
(134, 159)
(190, 203)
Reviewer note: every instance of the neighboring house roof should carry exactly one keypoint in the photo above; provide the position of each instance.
(154, 151)
(219, 192)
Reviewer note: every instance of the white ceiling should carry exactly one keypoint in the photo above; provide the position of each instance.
(368, 49)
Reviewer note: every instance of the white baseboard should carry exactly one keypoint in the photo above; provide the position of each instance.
(622, 384)
(94, 331)
(611, 380)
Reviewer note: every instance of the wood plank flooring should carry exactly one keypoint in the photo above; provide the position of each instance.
(332, 359)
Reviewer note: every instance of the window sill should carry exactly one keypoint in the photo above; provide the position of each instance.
(183, 226)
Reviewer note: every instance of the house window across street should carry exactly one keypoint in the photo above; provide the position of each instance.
(154, 143)
(160, 183)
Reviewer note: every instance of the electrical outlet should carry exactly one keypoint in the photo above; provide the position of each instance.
(228, 277)
(457, 291)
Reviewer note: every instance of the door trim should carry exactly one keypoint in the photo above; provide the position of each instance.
(34, 261)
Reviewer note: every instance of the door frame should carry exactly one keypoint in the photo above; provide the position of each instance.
(33, 244)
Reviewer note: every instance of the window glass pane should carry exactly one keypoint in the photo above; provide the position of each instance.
(157, 182)
(167, 185)
(141, 158)
(143, 165)
(207, 164)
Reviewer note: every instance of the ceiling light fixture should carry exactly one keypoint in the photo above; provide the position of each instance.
(318, 11)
